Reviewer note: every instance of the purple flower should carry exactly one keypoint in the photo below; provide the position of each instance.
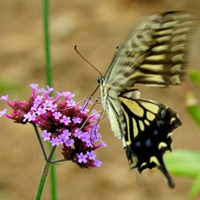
(29, 117)
(97, 163)
(77, 120)
(78, 133)
(66, 134)
(48, 105)
(40, 111)
(103, 144)
(55, 141)
(46, 135)
(5, 98)
(65, 120)
(68, 95)
(71, 103)
(91, 155)
(69, 143)
(57, 115)
(3, 112)
(82, 158)
(63, 138)
(62, 122)
(85, 136)
(34, 86)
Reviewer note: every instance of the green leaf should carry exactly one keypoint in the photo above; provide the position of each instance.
(183, 163)
(192, 107)
(194, 111)
(187, 164)
(195, 76)
(195, 189)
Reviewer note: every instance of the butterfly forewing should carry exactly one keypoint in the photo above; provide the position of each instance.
(153, 54)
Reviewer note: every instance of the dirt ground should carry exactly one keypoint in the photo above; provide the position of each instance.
(97, 28)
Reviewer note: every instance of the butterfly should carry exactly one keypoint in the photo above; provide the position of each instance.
(153, 54)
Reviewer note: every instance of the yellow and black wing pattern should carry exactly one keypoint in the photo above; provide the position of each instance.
(153, 54)
(149, 127)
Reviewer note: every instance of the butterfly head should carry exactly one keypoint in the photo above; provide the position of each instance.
(101, 80)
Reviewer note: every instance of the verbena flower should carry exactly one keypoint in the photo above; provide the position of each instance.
(63, 122)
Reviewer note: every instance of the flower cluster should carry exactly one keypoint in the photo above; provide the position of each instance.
(63, 122)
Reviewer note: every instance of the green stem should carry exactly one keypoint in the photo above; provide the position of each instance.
(45, 173)
(47, 42)
(40, 141)
(53, 182)
(49, 81)
(42, 181)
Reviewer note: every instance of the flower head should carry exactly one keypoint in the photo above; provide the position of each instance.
(63, 122)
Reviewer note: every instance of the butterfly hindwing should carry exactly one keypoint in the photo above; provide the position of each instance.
(149, 127)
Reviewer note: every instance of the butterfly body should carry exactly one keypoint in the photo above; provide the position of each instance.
(153, 54)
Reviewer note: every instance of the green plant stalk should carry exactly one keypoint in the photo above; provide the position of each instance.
(45, 173)
(40, 141)
(42, 181)
(48, 70)
(47, 42)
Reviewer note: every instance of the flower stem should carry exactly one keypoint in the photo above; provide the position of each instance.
(42, 181)
(40, 141)
(48, 79)
(47, 42)
(45, 173)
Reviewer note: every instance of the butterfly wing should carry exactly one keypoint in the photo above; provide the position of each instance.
(149, 127)
(154, 53)
(145, 127)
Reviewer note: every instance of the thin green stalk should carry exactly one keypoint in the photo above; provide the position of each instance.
(45, 174)
(47, 42)
(48, 81)
(42, 181)
(40, 141)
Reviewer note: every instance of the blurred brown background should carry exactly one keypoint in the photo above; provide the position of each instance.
(97, 27)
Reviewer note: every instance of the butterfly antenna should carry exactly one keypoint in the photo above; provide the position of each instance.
(75, 47)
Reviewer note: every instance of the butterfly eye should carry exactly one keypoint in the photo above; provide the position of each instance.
(100, 80)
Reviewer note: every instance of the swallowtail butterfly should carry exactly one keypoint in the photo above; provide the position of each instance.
(153, 54)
